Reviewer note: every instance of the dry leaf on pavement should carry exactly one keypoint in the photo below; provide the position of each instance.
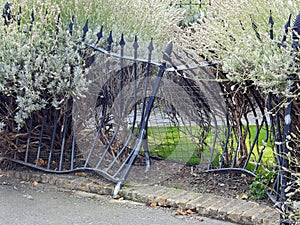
(35, 183)
(201, 219)
(182, 212)
(153, 204)
(191, 212)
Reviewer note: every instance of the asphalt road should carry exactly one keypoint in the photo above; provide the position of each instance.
(28, 203)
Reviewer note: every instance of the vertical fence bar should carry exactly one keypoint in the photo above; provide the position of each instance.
(254, 142)
(264, 121)
(65, 128)
(225, 147)
(41, 138)
(121, 44)
(74, 129)
(53, 138)
(146, 84)
(212, 149)
(135, 55)
(62, 149)
(28, 140)
(238, 147)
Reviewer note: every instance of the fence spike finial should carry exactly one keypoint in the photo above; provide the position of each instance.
(151, 47)
(110, 41)
(135, 46)
(286, 29)
(85, 29)
(122, 41)
(288, 24)
(135, 43)
(271, 21)
(99, 35)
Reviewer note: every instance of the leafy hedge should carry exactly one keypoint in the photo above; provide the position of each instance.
(237, 35)
(41, 65)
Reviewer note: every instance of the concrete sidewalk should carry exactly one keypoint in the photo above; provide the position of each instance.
(208, 205)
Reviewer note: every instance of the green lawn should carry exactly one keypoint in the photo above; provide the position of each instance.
(268, 154)
(176, 143)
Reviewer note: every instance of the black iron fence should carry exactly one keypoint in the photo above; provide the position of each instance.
(136, 109)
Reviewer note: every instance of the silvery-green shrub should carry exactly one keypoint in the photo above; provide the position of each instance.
(39, 66)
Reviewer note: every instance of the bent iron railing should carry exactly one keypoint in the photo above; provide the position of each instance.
(92, 133)
(106, 130)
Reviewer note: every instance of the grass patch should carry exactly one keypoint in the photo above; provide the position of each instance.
(268, 157)
(181, 144)
(176, 143)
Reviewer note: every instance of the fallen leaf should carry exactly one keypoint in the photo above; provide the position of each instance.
(201, 219)
(191, 212)
(35, 183)
(153, 204)
(181, 212)
(41, 162)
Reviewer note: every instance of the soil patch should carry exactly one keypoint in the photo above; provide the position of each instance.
(230, 184)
